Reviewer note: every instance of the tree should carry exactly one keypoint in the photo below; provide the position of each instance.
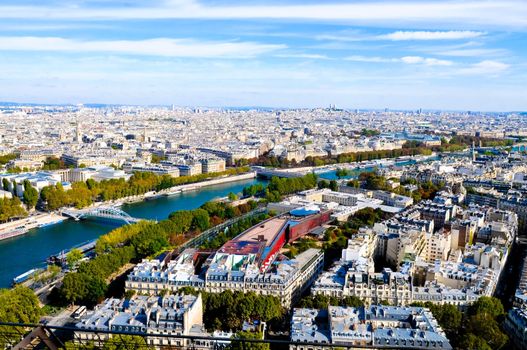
(73, 257)
(488, 329)
(487, 305)
(323, 184)
(238, 342)
(125, 342)
(183, 220)
(228, 310)
(333, 185)
(448, 316)
(473, 342)
(354, 183)
(5, 184)
(53, 163)
(232, 196)
(17, 305)
(201, 219)
(11, 208)
(96, 290)
(30, 195)
(373, 181)
(74, 287)
(341, 172)
(130, 293)
(351, 301)
(4, 159)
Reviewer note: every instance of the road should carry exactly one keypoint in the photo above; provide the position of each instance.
(511, 274)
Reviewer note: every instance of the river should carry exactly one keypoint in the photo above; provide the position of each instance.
(20, 254)
(353, 174)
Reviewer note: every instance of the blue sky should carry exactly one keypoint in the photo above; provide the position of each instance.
(407, 54)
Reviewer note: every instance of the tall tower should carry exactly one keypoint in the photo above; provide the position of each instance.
(145, 135)
(78, 136)
(473, 151)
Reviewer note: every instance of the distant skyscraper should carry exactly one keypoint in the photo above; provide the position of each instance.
(145, 135)
(473, 151)
(78, 136)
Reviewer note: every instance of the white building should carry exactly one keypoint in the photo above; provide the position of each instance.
(152, 316)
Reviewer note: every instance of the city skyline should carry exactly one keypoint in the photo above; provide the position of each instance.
(397, 55)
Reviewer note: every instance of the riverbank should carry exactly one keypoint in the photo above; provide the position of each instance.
(152, 195)
(366, 165)
(218, 181)
(22, 226)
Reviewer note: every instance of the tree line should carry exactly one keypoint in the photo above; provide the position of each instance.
(279, 187)
(410, 148)
(352, 157)
(83, 194)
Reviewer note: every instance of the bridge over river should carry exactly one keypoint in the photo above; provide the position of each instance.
(101, 213)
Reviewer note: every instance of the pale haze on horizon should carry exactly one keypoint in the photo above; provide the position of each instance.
(464, 55)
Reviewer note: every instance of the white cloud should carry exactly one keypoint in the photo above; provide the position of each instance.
(345, 38)
(428, 13)
(303, 55)
(487, 67)
(430, 35)
(150, 47)
(374, 59)
(406, 59)
(425, 61)
(473, 52)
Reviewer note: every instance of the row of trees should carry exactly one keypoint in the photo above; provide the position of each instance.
(278, 187)
(83, 194)
(410, 148)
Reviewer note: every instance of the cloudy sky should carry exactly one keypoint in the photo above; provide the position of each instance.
(356, 54)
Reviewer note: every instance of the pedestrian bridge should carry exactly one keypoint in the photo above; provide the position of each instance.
(104, 213)
(269, 173)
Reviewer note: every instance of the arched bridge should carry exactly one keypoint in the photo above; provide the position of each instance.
(106, 213)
